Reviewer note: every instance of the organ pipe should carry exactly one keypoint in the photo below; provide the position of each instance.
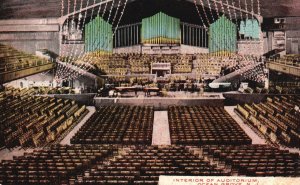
(160, 29)
(98, 36)
(222, 36)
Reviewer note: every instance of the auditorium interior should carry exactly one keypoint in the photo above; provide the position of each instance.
(128, 91)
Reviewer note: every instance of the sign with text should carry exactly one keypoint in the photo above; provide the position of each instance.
(198, 180)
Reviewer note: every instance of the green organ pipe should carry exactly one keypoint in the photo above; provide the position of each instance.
(222, 36)
(250, 28)
(160, 29)
(98, 36)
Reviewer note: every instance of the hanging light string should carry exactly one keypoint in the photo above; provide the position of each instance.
(241, 15)
(70, 53)
(71, 71)
(236, 19)
(230, 18)
(205, 15)
(240, 7)
(116, 29)
(65, 29)
(80, 15)
(73, 55)
(99, 9)
(87, 59)
(61, 29)
(82, 65)
(93, 9)
(78, 28)
(86, 63)
(64, 69)
(109, 40)
(70, 27)
(113, 3)
(247, 18)
(199, 14)
(228, 9)
(258, 8)
(116, 12)
(209, 6)
(217, 9)
(104, 11)
(64, 32)
(94, 42)
(62, 7)
(252, 17)
(209, 23)
(83, 26)
(123, 10)
(222, 6)
(252, 8)
(246, 8)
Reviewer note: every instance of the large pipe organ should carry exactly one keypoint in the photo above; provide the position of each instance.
(220, 36)
(98, 36)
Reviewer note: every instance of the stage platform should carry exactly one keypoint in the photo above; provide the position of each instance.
(214, 100)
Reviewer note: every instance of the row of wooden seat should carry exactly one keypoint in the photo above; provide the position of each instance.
(11, 59)
(284, 89)
(197, 125)
(122, 64)
(292, 60)
(276, 118)
(141, 164)
(116, 125)
(144, 165)
(283, 85)
(54, 165)
(28, 120)
(256, 160)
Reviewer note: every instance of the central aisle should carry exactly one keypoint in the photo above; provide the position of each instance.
(161, 132)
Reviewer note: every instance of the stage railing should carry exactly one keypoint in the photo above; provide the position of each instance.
(191, 34)
(127, 35)
(194, 35)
